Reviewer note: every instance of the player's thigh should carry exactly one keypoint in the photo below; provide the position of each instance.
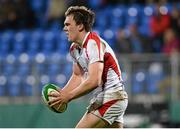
(116, 125)
(89, 120)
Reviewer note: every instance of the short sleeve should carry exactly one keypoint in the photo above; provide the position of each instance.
(94, 51)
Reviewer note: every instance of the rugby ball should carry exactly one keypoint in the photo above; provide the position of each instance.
(58, 108)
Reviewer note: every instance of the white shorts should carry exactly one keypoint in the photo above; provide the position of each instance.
(109, 107)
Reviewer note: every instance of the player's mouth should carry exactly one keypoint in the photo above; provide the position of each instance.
(67, 34)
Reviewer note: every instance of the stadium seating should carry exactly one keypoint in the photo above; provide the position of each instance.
(46, 50)
(117, 16)
(14, 85)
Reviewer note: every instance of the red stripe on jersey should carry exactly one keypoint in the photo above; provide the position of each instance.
(109, 62)
(72, 47)
(94, 36)
(105, 106)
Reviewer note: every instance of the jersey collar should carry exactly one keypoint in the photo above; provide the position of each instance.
(84, 40)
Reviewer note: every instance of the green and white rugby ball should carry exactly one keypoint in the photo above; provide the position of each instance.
(58, 108)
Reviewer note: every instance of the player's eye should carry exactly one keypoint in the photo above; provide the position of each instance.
(66, 24)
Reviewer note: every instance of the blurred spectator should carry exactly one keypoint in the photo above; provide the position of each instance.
(8, 16)
(26, 17)
(171, 42)
(15, 14)
(175, 20)
(56, 11)
(123, 44)
(131, 40)
(159, 23)
(139, 42)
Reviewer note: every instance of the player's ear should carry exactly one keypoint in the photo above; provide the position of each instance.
(81, 27)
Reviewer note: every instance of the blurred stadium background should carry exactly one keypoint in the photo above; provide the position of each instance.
(34, 51)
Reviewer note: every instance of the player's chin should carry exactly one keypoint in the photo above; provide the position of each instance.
(70, 40)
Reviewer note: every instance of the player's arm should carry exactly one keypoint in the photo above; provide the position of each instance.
(75, 79)
(95, 70)
(77, 74)
(93, 80)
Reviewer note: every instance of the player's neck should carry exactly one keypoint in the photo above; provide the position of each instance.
(82, 35)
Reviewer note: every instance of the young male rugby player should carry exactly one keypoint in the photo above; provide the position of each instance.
(94, 58)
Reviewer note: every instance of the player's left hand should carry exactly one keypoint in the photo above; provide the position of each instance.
(60, 97)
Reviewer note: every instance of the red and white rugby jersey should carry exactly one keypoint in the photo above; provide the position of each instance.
(92, 51)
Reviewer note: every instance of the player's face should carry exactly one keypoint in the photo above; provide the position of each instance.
(71, 28)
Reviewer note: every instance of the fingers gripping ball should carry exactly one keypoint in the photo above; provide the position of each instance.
(59, 108)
